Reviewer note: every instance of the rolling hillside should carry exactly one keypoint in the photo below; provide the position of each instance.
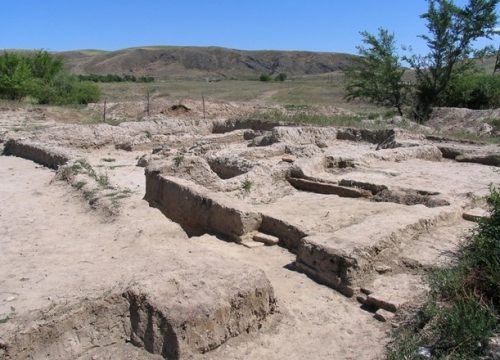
(202, 62)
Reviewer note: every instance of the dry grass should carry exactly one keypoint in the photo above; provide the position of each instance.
(311, 90)
(297, 92)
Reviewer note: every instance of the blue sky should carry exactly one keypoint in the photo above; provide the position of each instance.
(318, 25)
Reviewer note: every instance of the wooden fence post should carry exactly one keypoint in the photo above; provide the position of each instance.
(104, 112)
(203, 100)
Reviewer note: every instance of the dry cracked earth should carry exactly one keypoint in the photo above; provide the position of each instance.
(184, 238)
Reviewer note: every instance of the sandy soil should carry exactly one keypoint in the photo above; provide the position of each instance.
(58, 252)
(314, 316)
(318, 323)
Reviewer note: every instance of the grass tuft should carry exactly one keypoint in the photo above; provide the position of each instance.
(80, 184)
(178, 159)
(103, 180)
(247, 186)
(463, 309)
(81, 166)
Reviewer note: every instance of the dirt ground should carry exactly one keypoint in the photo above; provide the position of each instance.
(98, 264)
(55, 250)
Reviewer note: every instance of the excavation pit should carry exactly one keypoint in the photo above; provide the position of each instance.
(312, 190)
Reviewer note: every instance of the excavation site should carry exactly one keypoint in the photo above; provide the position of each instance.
(264, 180)
(180, 236)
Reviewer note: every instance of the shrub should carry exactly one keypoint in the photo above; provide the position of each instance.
(265, 77)
(41, 78)
(495, 122)
(66, 89)
(474, 91)
(130, 78)
(84, 93)
(146, 79)
(280, 77)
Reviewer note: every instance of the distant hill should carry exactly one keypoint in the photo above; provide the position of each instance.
(202, 62)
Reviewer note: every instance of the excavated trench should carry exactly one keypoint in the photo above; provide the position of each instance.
(151, 322)
(49, 156)
(372, 192)
(330, 261)
(199, 211)
(132, 317)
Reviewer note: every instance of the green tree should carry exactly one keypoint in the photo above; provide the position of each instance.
(16, 80)
(377, 74)
(452, 30)
(45, 66)
(265, 77)
(280, 77)
(42, 77)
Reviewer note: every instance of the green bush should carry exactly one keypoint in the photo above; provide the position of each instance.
(41, 77)
(463, 328)
(67, 89)
(85, 92)
(474, 91)
(146, 79)
(265, 77)
(280, 77)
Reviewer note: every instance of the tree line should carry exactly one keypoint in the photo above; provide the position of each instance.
(446, 76)
(109, 78)
(40, 78)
